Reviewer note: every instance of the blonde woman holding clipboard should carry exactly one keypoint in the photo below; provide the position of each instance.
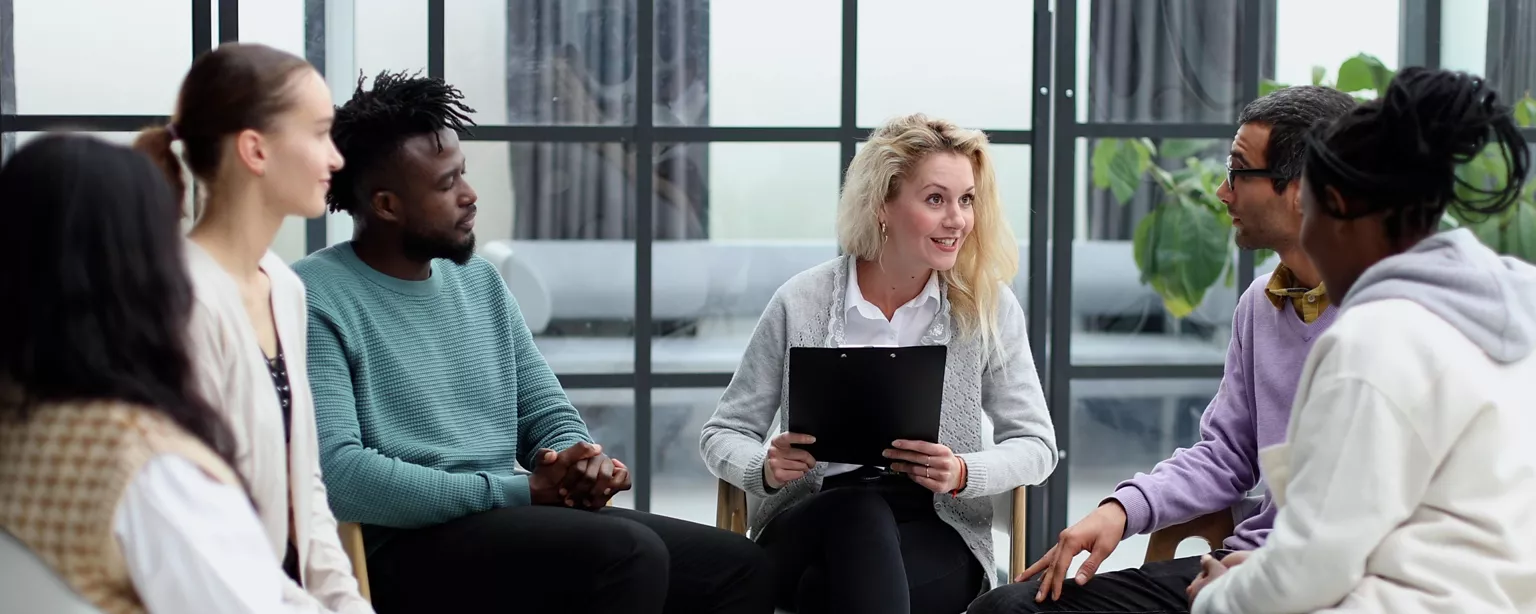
(928, 261)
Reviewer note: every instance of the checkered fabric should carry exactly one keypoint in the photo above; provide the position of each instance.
(63, 471)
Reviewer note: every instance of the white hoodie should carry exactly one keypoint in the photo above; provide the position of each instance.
(1408, 480)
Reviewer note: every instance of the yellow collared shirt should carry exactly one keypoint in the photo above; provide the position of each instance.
(1309, 303)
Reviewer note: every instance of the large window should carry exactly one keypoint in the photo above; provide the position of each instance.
(650, 171)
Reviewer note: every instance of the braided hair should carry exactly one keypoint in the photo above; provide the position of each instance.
(1398, 154)
(372, 126)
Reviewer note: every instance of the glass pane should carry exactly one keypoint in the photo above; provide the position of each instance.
(734, 221)
(543, 61)
(86, 57)
(748, 63)
(1012, 165)
(986, 82)
(1159, 61)
(289, 242)
(684, 488)
(1305, 45)
(1118, 319)
(610, 417)
(558, 220)
(384, 35)
(1465, 36)
(1120, 427)
(365, 39)
(276, 23)
(1492, 38)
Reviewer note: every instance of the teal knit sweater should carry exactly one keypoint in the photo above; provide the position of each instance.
(427, 393)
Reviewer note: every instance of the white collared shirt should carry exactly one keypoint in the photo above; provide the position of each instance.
(865, 325)
(195, 545)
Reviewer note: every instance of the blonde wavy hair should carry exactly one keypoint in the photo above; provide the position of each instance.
(988, 258)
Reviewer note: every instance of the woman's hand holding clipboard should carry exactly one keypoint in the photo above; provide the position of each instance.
(932, 465)
(787, 463)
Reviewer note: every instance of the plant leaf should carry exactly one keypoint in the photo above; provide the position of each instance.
(1118, 165)
(1269, 86)
(1363, 72)
(1520, 232)
(1525, 111)
(1179, 149)
(1261, 255)
(1181, 248)
(1318, 73)
(1512, 233)
(1164, 179)
(1487, 171)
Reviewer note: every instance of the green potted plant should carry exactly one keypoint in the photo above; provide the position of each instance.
(1184, 244)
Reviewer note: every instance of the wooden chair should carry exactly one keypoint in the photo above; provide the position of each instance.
(352, 543)
(1212, 528)
(731, 515)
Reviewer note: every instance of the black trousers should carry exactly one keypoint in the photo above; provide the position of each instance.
(869, 543)
(555, 559)
(1154, 588)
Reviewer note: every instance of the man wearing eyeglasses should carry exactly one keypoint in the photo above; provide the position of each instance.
(1276, 321)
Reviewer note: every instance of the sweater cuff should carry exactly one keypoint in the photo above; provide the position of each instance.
(752, 479)
(1138, 511)
(976, 476)
(516, 489)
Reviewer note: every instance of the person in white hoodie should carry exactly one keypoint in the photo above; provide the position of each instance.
(1408, 480)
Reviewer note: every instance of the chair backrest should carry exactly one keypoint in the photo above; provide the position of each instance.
(27, 584)
(351, 535)
(1212, 528)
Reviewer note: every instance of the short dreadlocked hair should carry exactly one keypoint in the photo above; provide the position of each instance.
(371, 127)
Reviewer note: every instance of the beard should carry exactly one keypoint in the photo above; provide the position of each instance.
(422, 246)
(1245, 240)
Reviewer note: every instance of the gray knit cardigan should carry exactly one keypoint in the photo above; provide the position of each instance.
(809, 310)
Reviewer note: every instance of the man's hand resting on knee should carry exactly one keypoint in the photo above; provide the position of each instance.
(579, 476)
(1098, 534)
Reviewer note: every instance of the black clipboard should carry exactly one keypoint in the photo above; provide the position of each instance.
(856, 401)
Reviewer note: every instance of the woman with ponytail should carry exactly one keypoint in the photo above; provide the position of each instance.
(1409, 474)
(253, 127)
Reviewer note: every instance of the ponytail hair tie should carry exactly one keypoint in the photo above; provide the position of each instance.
(171, 129)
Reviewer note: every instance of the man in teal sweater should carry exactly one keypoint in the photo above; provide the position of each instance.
(429, 392)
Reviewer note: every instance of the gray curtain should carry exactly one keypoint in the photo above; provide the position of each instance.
(1165, 61)
(1511, 66)
(681, 202)
(572, 62)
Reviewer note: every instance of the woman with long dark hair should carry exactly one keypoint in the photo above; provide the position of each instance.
(1408, 476)
(253, 126)
(112, 469)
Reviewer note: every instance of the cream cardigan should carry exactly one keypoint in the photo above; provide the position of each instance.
(233, 376)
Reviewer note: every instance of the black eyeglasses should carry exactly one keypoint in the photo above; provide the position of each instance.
(1234, 173)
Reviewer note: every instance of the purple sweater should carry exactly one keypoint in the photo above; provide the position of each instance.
(1250, 411)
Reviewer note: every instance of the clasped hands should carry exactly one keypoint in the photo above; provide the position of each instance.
(580, 476)
(933, 466)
